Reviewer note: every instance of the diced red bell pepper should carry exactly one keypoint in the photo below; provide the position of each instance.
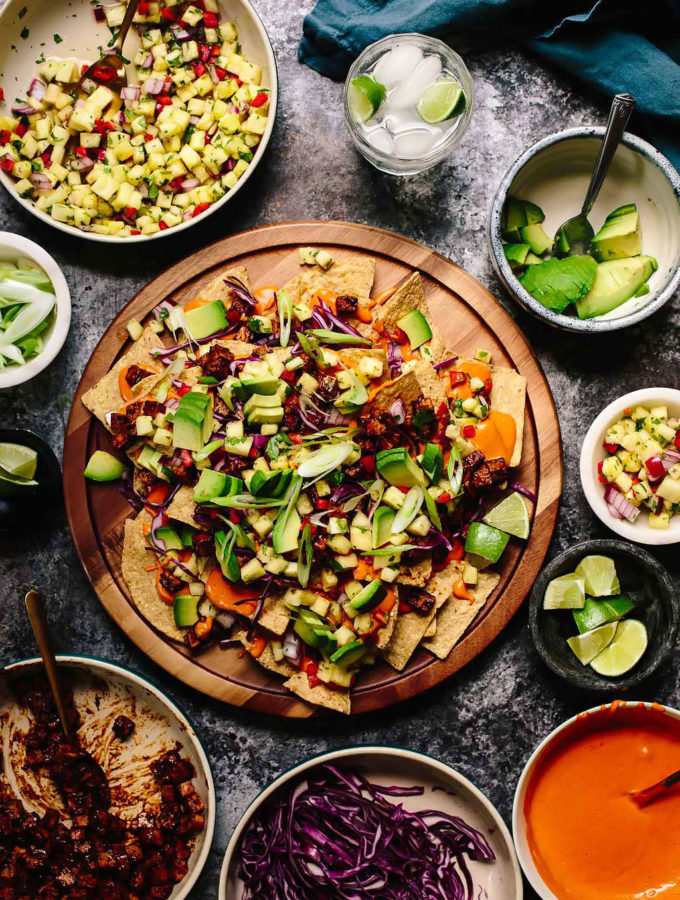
(288, 377)
(469, 431)
(5, 136)
(6, 164)
(183, 388)
(187, 458)
(234, 516)
(456, 377)
(21, 129)
(655, 468)
(259, 99)
(199, 69)
(134, 231)
(210, 20)
(204, 53)
(143, 8)
(368, 462)
(2, 93)
(201, 208)
(310, 667)
(168, 14)
(220, 72)
(295, 438)
(444, 498)
(163, 101)
(130, 212)
(81, 151)
(176, 184)
(322, 503)
(677, 440)
(488, 385)
(83, 69)
(215, 50)
(164, 227)
(610, 448)
(600, 476)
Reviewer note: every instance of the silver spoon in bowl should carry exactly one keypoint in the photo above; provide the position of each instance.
(109, 69)
(574, 236)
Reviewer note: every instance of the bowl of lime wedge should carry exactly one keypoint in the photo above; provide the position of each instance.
(30, 479)
(604, 615)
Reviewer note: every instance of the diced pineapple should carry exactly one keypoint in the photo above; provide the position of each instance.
(624, 482)
(661, 521)
(82, 119)
(669, 489)
(66, 72)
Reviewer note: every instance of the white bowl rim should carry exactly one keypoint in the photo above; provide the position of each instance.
(518, 819)
(375, 749)
(141, 681)
(8, 183)
(508, 277)
(638, 531)
(14, 375)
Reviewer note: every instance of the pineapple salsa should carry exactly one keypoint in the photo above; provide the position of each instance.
(643, 465)
(160, 153)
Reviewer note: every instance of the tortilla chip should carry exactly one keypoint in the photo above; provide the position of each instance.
(217, 289)
(417, 574)
(350, 275)
(182, 506)
(274, 617)
(409, 296)
(142, 584)
(386, 632)
(105, 397)
(431, 629)
(431, 384)
(411, 627)
(266, 658)
(336, 699)
(454, 618)
(508, 395)
(353, 356)
(405, 387)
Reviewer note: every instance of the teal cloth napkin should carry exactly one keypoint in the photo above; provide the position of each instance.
(614, 46)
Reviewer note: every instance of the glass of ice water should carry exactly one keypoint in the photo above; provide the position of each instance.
(408, 101)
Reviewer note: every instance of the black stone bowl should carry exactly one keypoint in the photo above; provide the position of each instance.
(31, 508)
(648, 585)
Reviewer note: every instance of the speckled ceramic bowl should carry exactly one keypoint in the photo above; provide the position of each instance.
(554, 173)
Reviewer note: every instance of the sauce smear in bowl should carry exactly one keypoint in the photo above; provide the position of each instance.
(588, 839)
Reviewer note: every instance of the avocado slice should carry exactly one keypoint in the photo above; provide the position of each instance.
(620, 236)
(382, 523)
(261, 401)
(516, 254)
(349, 654)
(193, 422)
(103, 466)
(416, 328)
(369, 596)
(213, 484)
(398, 468)
(260, 416)
(286, 529)
(206, 320)
(187, 535)
(265, 483)
(265, 384)
(558, 282)
(518, 214)
(615, 282)
(309, 627)
(536, 238)
(533, 260)
(170, 538)
(185, 610)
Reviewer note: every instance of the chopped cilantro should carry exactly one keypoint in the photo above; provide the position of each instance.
(22, 12)
(24, 33)
(58, 39)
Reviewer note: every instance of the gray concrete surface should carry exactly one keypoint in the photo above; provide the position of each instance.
(486, 720)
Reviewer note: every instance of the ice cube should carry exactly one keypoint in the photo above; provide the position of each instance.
(414, 144)
(409, 91)
(381, 140)
(397, 64)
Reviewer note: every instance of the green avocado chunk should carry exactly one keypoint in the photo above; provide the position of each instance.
(516, 254)
(398, 468)
(213, 484)
(615, 282)
(102, 466)
(265, 384)
(620, 235)
(536, 238)
(193, 422)
(185, 610)
(416, 328)
(170, 538)
(206, 320)
(369, 596)
(558, 282)
(349, 654)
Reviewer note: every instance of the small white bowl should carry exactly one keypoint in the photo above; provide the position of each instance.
(11, 247)
(28, 29)
(519, 823)
(500, 879)
(593, 452)
(165, 722)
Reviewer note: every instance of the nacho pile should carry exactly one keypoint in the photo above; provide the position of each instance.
(312, 470)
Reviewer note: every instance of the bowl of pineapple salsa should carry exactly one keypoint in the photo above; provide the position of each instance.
(633, 264)
(175, 144)
(630, 466)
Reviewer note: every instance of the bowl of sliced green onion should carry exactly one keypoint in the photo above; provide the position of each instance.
(35, 309)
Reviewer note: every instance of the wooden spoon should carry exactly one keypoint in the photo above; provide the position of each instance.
(649, 795)
(109, 69)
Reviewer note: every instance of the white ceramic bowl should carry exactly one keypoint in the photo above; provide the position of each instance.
(81, 35)
(11, 247)
(554, 173)
(158, 722)
(501, 879)
(592, 452)
(519, 824)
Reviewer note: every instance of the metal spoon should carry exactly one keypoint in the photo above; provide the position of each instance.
(35, 606)
(110, 67)
(574, 236)
(648, 795)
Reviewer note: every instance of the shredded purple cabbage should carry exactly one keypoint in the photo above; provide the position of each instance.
(238, 287)
(394, 356)
(445, 362)
(527, 493)
(324, 317)
(337, 836)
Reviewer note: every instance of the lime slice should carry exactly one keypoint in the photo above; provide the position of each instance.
(599, 574)
(18, 460)
(565, 592)
(440, 101)
(13, 485)
(624, 651)
(599, 612)
(364, 96)
(591, 644)
(510, 515)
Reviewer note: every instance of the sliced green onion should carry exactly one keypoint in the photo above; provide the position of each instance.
(20, 292)
(200, 455)
(281, 534)
(224, 551)
(433, 462)
(311, 346)
(28, 318)
(454, 471)
(285, 304)
(409, 510)
(305, 554)
(324, 460)
(245, 501)
(243, 539)
(391, 550)
(336, 337)
(432, 512)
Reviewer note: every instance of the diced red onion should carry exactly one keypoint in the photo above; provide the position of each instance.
(153, 86)
(214, 77)
(82, 164)
(147, 62)
(615, 498)
(189, 184)
(194, 119)
(88, 86)
(670, 458)
(24, 109)
(260, 440)
(291, 648)
(613, 511)
(99, 14)
(40, 181)
(37, 89)
(130, 92)
(398, 411)
(229, 164)
(179, 33)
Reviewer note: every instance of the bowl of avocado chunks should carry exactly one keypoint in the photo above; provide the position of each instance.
(629, 271)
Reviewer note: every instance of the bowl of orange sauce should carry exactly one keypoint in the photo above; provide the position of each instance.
(578, 833)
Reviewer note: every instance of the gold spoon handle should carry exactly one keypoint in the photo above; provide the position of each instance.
(35, 606)
(127, 21)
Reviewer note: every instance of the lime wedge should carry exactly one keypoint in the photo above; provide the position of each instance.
(365, 96)
(599, 574)
(510, 515)
(599, 612)
(13, 485)
(440, 101)
(624, 651)
(591, 644)
(565, 592)
(18, 460)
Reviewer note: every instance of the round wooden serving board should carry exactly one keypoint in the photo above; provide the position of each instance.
(467, 316)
